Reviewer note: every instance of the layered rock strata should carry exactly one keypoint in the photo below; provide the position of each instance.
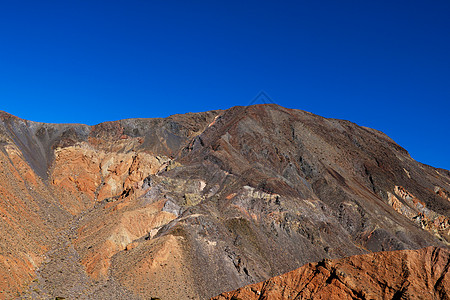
(405, 274)
(193, 205)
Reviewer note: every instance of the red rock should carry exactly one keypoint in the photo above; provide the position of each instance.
(406, 274)
(192, 205)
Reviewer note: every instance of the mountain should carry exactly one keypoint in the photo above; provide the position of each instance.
(193, 205)
(402, 274)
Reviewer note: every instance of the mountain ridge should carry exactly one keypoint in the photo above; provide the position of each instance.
(192, 205)
(424, 275)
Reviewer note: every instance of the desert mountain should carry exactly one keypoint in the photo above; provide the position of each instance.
(193, 205)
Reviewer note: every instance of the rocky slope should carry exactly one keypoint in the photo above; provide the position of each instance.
(404, 274)
(193, 205)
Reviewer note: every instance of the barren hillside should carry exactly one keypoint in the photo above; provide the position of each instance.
(197, 204)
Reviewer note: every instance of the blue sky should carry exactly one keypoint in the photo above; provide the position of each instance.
(382, 64)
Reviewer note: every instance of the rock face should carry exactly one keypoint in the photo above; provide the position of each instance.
(404, 274)
(193, 205)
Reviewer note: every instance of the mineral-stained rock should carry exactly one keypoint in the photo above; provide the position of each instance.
(403, 274)
(192, 205)
(416, 210)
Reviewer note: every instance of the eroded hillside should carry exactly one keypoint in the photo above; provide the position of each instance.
(193, 205)
(403, 274)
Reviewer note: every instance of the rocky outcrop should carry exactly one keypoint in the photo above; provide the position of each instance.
(416, 211)
(53, 176)
(85, 174)
(196, 204)
(442, 192)
(406, 274)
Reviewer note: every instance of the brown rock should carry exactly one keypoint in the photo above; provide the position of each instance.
(192, 205)
(406, 274)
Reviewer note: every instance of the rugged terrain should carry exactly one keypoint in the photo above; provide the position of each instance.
(192, 205)
(403, 274)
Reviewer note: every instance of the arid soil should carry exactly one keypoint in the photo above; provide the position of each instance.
(193, 205)
(403, 274)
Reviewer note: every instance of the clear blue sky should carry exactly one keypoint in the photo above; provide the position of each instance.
(382, 64)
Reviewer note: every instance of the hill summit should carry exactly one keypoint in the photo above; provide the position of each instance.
(193, 205)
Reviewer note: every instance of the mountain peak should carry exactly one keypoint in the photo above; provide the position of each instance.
(193, 205)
